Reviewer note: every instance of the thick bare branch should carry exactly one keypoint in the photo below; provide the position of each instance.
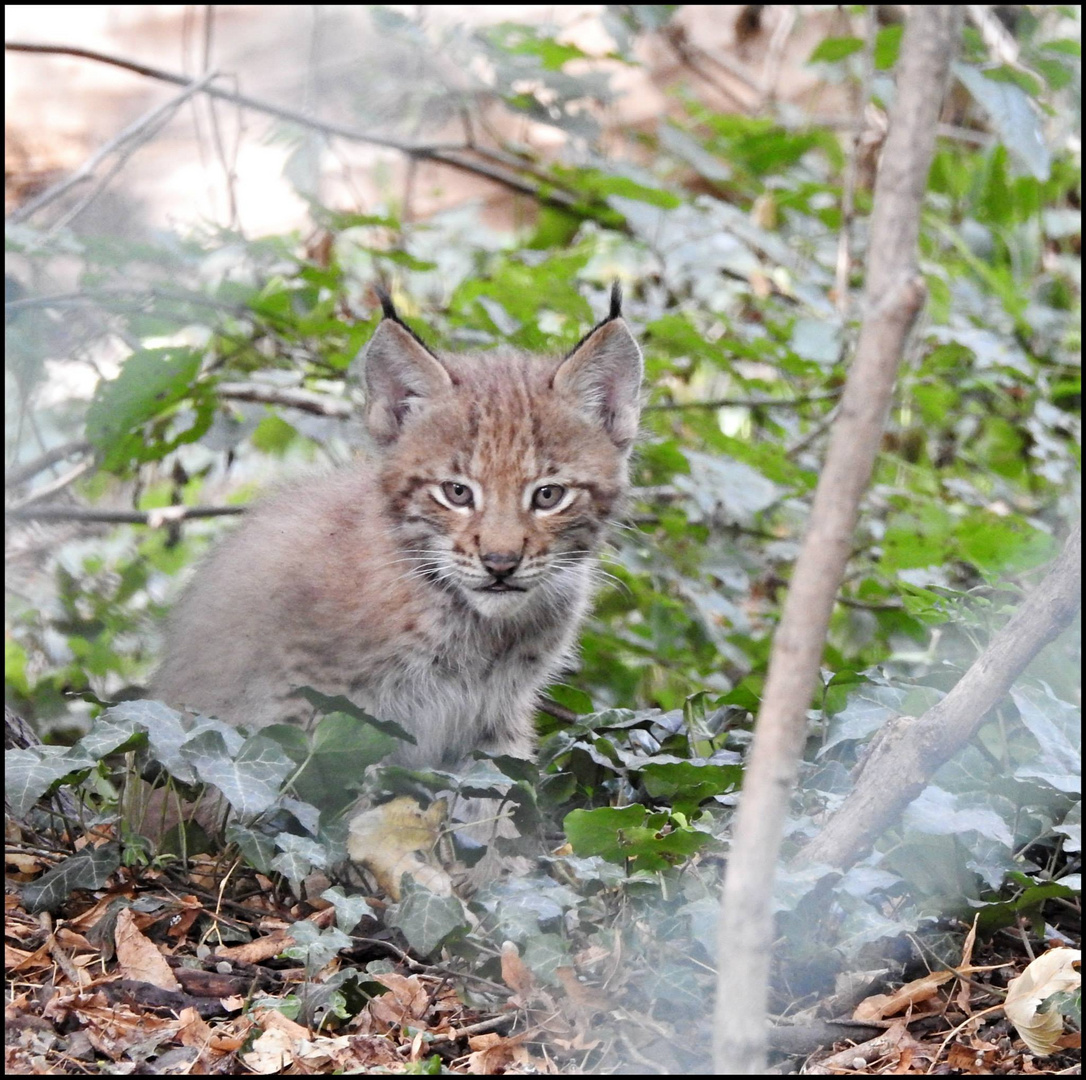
(900, 764)
(893, 295)
(292, 397)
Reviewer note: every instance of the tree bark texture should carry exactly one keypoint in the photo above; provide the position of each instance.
(893, 295)
(904, 755)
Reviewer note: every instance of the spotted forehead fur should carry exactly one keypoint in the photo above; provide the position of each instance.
(503, 416)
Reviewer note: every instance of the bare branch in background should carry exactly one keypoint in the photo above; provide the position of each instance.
(843, 269)
(893, 296)
(745, 403)
(19, 474)
(123, 144)
(292, 397)
(164, 515)
(51, 488)
(450, 155)
(771, 69)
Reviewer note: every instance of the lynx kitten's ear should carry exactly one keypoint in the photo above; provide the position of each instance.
(400, 373)
(603, 374)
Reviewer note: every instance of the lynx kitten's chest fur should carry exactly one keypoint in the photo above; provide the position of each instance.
(440, 581)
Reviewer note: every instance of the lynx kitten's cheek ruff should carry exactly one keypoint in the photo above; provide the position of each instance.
(440, 581)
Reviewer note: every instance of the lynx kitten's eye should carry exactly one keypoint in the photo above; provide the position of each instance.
(457, 494)
(548, 496)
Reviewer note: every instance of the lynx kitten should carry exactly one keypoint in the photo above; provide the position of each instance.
(440, 581)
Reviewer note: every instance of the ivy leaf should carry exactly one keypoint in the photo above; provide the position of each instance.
(656, 841)
(687, 783)
(251, 781)
(90, 869)
(425, 918)
(30, 773)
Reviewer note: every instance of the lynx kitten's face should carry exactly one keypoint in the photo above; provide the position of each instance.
(499, 471)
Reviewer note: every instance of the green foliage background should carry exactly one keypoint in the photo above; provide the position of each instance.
(726, 231)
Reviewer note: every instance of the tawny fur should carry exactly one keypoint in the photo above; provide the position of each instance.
(365, 582)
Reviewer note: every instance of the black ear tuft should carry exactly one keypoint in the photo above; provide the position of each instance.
(616, 301)
(388, 309)
(387, 306)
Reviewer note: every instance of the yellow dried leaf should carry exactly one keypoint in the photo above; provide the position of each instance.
(1051, 973)
(387, 839)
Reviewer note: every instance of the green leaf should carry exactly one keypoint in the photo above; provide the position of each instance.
(1012, 115)
(688, 783)
(273, 435)
(425, 918)
(90, 869)
(251, 781)
(630, 832)
(831, 50)
(151, 383)
(337, 703)
(888, 46)
(30, 773)
(522, 40)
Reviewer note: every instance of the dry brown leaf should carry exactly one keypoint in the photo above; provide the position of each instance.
(1049, 974)
(880, 1006)
(139, 957)
(967, 945)
(964, 997)
(515, 973)
(493, 1053)
(28, 865)
(407, 999)
(588, 998)
(968, 1059)
(272, 1052)
(19, 960)
(194, 1030)
(386, 839)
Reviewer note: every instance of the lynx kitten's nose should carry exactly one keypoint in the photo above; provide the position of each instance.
(500, 563)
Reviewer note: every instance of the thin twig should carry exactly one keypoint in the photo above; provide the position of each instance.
(140, 130)
(443, 154)
(694, 58)
(771, 70)
(559, 712)
(106, 294)
(58, 484)
(165, 515)
(745, 403)
(814, 434)
(431, 969)
(843, 269)
(21, 473)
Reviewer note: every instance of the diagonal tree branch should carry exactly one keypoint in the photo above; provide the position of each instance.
(905, 753)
